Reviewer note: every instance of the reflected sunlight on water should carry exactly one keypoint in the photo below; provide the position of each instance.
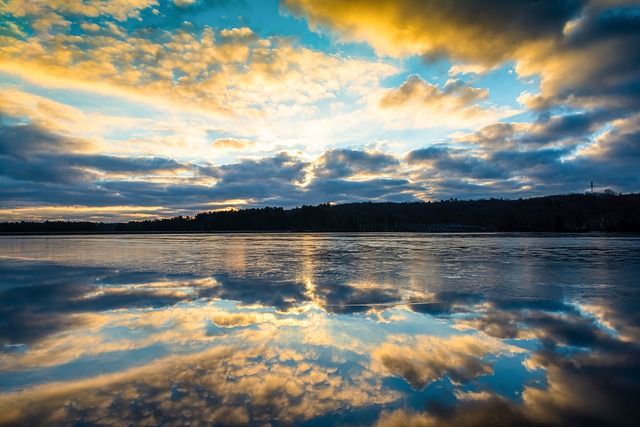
(320, 329)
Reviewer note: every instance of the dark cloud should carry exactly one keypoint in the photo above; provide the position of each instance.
(492, 412)
(32, 153)
(346, 298)
(281, 166)
(443, 303)
(447, 161)
(127, 165)
(283, 295)
(619, 146)
(553, 155)
(42, 299)
(554, 324)
(341, 163)
(44, 169)
(556, 154)
(566, 130)
(25, 141)
(342, 191)
(79, 169)
(98, 180)
(595, 65)
(576, 127)
(523, 161)
(430, 153)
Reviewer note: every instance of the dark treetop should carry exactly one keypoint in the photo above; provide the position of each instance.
(566, 213)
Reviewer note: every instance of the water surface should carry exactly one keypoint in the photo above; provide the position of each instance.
(320, 329)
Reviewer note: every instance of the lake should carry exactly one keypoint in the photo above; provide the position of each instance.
(390, 329)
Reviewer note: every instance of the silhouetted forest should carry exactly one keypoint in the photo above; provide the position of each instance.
(565, 213)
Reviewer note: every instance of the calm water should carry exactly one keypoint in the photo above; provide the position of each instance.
(320, 329)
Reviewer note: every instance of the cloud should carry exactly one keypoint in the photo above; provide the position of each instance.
(282, 295)
(593, 66)
(231, 320)
(276, 178)
(552, 324)
(25, 141)
(233, 144)
(358, 297)
(341, 163)
(420, 104)
(619, 145)
(562, 150)
(566, 130)
(32, 153)
(42, 170)
(555, 154)
(120, 10)
(67, 173)
(60, 118)
(493, 411)
(455, 93)
(378, 189)
(594, 387)
(66, 296)
(438, 163)
(184, 3)
(127, 165)
(442, 303)
(462, 30)
(428, 359)
(229, 72)
(45, 166)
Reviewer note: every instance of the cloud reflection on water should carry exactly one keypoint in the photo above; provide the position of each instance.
(102, 346)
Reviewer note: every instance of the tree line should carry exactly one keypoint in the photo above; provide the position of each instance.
(563, 213)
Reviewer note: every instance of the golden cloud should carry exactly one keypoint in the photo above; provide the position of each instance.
(228, 72)
(427, 359)
(248, 383)
(120, 10)
(486, 32)
(233, 144)
(60, 118)
(230, 320)
(420, 104)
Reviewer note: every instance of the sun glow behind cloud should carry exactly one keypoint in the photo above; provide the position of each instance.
(171, 107)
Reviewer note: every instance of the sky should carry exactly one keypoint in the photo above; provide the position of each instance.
(136, 109)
